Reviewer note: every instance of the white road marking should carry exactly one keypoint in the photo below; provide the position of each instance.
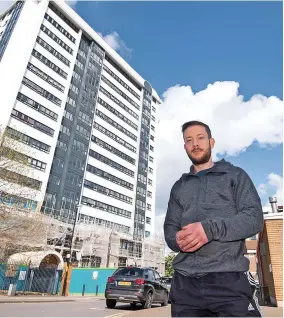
(97, 308)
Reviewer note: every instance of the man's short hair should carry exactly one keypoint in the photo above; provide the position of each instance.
(196, 123)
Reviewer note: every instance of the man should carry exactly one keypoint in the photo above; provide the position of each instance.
(211, 211)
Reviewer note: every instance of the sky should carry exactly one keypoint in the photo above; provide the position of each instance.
(218, 62)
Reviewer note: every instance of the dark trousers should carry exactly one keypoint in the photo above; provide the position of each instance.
(212, 295)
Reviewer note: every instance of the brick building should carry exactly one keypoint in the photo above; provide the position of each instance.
(270, 256)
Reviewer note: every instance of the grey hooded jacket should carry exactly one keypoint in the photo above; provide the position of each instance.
(227, 204)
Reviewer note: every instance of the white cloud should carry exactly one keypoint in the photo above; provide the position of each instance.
(72, 3)
(235, 125)
(159, 223)
(273, 187)
(276, 181)
(4, 5)
(262, 190)
(114, 41)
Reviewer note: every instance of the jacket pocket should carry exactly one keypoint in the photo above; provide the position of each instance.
(219, 191)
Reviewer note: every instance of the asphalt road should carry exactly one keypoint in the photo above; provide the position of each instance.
(90, 307)
(80, 308)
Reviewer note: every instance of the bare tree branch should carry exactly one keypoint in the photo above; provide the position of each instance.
(22, 228)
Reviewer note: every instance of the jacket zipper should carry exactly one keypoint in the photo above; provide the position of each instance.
(197, 200)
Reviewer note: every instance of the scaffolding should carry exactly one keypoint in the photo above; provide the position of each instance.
(103, 245)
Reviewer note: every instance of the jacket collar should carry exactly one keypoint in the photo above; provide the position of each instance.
(220, 166)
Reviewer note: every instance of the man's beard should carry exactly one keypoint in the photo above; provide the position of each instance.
(203, 159)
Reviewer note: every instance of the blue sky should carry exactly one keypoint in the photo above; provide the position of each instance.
(198, 43)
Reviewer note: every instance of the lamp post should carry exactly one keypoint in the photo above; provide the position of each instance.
(109, 248)
(68, 256)
(65, 275)
(73, 230)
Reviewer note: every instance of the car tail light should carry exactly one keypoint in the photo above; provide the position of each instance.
(111, 279)
(139, 281)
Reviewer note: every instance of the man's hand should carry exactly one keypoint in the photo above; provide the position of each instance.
(191, 237)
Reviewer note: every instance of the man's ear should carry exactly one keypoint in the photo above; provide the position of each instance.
(212, 142)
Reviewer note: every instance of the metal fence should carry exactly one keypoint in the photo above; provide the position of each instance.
(30, 280)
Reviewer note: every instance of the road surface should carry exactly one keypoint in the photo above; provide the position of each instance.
(89, 307)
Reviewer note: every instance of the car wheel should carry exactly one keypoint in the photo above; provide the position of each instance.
(166, 300)
(110, 303)
(147, 304)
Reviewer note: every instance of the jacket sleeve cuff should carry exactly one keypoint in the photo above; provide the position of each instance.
(207, 229)
(172, 244)
(175, 247)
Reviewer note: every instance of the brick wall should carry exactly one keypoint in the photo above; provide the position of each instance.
(271, 245)
(275, 241)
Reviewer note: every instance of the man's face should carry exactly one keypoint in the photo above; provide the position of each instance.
(197, 144)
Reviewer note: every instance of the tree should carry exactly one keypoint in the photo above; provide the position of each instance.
(21, 231)
(22, 227)
(169, 270)
(16, 169)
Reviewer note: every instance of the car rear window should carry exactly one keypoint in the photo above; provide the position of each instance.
(129, 272)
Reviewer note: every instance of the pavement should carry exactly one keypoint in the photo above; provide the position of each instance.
(86, 306)
(45, 299)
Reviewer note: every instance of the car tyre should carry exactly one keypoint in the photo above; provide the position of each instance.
(147, 304)
(110, 303)
(166, 300)
(133, 306)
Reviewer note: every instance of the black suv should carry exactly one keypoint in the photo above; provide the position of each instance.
(168, 282)
(136, 285)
